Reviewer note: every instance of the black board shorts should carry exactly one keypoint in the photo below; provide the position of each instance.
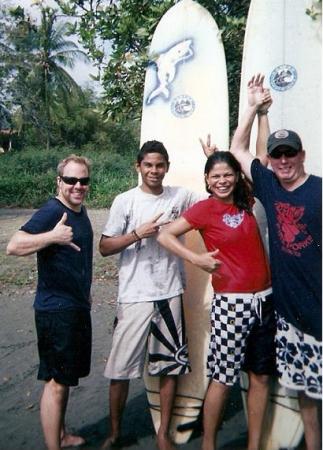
(260, 356)
(64, 345)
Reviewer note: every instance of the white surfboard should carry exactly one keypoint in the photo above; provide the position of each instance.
(186, 98)
(284, 43)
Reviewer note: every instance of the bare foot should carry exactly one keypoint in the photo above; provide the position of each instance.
(111, 443)
(71, 440)
(164, 442)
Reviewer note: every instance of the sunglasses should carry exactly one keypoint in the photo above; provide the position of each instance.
(73, 180)
(288, 153)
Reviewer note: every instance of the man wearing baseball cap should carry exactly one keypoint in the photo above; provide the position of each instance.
(292, 200)
(284, 138)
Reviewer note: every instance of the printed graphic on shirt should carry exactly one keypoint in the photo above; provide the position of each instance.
(292, 233)
(233, 220)
(174, 213)
(126, 223)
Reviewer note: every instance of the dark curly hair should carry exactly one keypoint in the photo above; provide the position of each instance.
(242, 195)
(152, 147)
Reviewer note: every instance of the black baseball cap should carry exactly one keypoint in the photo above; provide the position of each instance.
(284, 137)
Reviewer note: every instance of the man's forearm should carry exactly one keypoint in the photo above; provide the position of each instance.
(111, 245)
(262, 137)
(23, 244)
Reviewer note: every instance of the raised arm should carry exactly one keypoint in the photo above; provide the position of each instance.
(23, 244)
(257, 97)
(168, 238)
(110, 245)
(263, 130)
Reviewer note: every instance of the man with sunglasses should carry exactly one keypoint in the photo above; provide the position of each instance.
(60, 233)
(292, 200)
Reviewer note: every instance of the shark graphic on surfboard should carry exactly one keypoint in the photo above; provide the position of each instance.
(166, 64)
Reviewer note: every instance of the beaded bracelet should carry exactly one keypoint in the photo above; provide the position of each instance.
(136, 235)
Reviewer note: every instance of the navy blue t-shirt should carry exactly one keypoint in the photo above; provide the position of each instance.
(295, 243)
(64, 274)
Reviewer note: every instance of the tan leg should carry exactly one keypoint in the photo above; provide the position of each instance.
(118, 396)
(52, 411)
(167, 397)
(310, 416)
(256, 404)
(214, 403)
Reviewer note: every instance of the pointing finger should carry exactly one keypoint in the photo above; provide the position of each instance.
(157, 217)
(166, 222)
(74, 246)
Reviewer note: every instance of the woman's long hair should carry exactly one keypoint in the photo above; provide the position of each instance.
(242, 196)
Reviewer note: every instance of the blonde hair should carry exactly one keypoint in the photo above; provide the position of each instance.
(77, 159)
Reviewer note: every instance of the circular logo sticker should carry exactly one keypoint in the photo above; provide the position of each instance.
(283, 77)
(281, 134)
(182, 106)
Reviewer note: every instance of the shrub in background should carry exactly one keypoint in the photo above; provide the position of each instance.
(28, 178)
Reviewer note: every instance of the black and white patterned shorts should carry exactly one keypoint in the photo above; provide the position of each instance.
(157, 327)
(299, 359)
(232, 319)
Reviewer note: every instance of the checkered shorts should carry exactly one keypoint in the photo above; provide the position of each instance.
(232, 318)
(299, 359)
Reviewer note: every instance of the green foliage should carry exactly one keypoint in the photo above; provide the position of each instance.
(28, 177)
(315, 10)
(32, 71)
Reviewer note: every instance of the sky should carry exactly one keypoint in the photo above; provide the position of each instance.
(81, 72)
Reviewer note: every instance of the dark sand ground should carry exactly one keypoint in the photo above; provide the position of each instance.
(88, 406)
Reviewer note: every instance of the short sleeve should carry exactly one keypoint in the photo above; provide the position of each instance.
(261, 178)
(45, 219)
(195, 215)
(117, 220)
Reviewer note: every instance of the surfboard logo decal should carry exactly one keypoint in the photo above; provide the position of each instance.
(166, 63)
(183, 106)
(283, 77)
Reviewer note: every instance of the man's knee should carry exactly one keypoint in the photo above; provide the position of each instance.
(307, 403)
(55, 388)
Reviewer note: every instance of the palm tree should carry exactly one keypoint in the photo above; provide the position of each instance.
(38, 58)
(53, 53)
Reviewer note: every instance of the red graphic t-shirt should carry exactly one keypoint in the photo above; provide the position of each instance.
(235, 233)
(292, 233)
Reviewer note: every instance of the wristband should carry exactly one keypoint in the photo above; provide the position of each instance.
(136, 235)
(262, 113)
